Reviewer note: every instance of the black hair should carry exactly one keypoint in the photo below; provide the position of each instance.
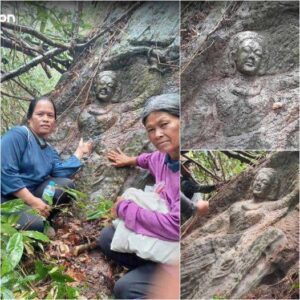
(33, 104)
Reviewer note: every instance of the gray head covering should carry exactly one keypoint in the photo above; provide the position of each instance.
(166, 102)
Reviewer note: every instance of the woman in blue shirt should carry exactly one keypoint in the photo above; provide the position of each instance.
(28, 163)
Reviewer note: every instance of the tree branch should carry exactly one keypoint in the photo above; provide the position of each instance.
(11, 44)
(35, 33)
(202, 167)
(16, 97)
(238, 156)
(76, 20)
(31, 64)
(24, 87)
(59, 46)
(248, 154)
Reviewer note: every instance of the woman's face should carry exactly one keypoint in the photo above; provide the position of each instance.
(42, 121)
(163, 132)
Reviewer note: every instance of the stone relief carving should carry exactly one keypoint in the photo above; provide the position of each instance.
(105, 85)
(246, 51)
(244, 82)
(108, 110)
(241, 95)
(101, 97)
(238, 239)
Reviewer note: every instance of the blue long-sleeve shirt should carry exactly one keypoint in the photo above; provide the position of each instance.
(25, 164)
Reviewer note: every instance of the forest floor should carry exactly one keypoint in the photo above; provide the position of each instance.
(94, 275)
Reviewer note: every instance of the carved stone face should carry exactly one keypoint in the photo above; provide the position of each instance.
(249, 56)
(105, 86)
(265, 185)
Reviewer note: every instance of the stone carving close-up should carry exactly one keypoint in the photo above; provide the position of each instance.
(251, 243)
(246, 52)
(105, 85)
(246, 94)
(104, 103)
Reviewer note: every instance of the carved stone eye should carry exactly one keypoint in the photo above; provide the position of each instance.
(258, 52)
(246, 49)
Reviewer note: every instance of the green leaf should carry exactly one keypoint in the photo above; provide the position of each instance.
(28, 247)
(12, 206)
(7, 229)
(64, 291)
(57, 275)
(71, 292)
(4, 280)
(35, 235)
(28, 278)
(41, 270)
(14, 249)
(13, 219)
(6, 294)
(103, 208)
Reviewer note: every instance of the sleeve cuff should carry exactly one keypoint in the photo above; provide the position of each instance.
(120, 209)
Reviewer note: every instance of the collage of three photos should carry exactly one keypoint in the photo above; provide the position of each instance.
(149, 150)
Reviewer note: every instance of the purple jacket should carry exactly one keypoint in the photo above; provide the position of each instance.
(151, 223)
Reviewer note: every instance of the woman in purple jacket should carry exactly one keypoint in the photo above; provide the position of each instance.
(161, 120)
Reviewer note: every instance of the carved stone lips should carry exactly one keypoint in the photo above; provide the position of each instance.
(103, 91)
(249, 63)
(257, 188)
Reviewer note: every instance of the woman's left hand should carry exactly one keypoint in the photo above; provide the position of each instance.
(114, 208)
(83, 148)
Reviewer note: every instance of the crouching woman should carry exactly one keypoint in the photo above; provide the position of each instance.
(161, 120)
(29, 163)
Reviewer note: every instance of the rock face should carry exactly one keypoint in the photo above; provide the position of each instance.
(240, 66)
(102, 95)
(250, 238)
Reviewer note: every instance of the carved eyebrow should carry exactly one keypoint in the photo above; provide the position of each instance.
(246, 48)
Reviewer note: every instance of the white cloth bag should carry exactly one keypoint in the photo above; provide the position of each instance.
(146, 247)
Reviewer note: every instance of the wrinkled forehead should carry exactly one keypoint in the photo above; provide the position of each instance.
(250, 42)
(155, 117)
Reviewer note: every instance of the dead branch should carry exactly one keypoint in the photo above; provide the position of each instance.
(12, 44)
(24, 87)
(40, 36)
(23, 48)
(77, 19)
(24, 68)
(250, 155)
(202, 167)
(16, 97)
(81, 248)
(235, 155)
